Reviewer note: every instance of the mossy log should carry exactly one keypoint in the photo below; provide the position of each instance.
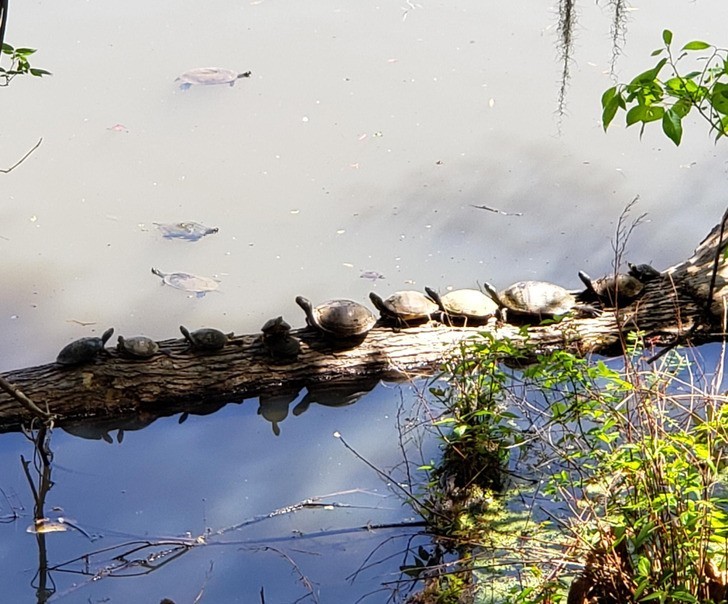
(686, 305)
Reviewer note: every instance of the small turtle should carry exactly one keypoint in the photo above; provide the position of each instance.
(539, 299)
(208, 76)
(338, 318)
(405, 307)
(278, 340)
(613, 290)
(188, 282)
(466, 305)
(206, 338)
(83, 350)
(139, 347)
(191, 231)
(643, 272)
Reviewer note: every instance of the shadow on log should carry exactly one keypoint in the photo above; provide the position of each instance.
(686, 305)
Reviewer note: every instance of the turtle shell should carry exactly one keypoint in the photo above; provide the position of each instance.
(206, 338)
(83, 350)
(469, 304)
(138, 346)
(539, 298)
(643, 272)
(613, 289)
(339, 318)
(408, 305)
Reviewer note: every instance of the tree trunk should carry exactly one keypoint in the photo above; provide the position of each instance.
(686, 305)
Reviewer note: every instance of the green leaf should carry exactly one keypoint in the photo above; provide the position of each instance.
(650, 74)
(672, 126)
(7, 49)
(719, 98)
(667, 37)
(696, 45)
(656, 52)
(682, 107)
(644, 114)
(25, 51)
(39, 72)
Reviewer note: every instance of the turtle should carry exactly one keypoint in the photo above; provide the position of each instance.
(643, 272)
(206, 338)
(466, 305)
(83, 350)
(191, 231)
(613, 289)
(139, 347)
(540, 299)
(279, 342)
(339, 319)
(208, 76)
(188, 282)
(405, 307)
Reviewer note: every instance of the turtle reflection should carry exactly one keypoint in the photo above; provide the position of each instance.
(100, 429)
(335, 395)
(274, 408)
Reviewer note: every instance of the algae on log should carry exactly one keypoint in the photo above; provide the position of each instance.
(671, 309)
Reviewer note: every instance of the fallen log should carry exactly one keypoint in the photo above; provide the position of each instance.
(686, 305)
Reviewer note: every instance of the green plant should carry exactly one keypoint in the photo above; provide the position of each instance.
(19, 64)
(650, 98)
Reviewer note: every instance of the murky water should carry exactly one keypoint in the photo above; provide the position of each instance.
(363, 138)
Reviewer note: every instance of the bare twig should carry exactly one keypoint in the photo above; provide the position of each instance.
(496, 210)
(303, 578)
(22, 159)
(26, 403)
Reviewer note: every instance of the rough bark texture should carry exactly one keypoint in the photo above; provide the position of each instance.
(686, 305)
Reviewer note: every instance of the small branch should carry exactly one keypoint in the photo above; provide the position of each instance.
(26, 403)
(496, 210)
(22, 159)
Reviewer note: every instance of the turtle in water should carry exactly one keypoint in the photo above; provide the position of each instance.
(405, 307)
(188, 282)
(278, 341)
(340, 319)
(137, 347)
(191, 231)
(536, 299)
(209, 76)
(83, 350)
(206, 338)
(612, 290)
(464, 305)
(643, 272)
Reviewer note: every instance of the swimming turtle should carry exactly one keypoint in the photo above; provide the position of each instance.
(405, 307)
(206, 338)
(467, 305)
(83, 350)
(278, 340)
(539, 299)
(613, 289)
(643, 272)
(338, 318)
(191, 231)
(140, 347)
(188, 282)
(207, 76)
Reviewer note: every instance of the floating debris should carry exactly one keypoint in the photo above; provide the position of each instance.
(188, 282)
(497, 211)
(209, 76)
(371, 275)
(190, 231)
(118, 128)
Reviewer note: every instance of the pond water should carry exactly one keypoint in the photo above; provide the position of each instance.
(363, 138)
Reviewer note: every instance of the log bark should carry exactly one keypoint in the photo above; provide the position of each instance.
(686, 306)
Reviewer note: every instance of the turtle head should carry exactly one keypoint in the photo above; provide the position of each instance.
(492, 293)
(107, 334)
(587, 280)
(307, 307)
(435, 297)
(185, 333)
(377, 301)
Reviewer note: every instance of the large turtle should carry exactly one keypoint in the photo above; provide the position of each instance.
(405, 307)
(206, 338)
(137, 347)
(278, 341)
(535, 299)
(83, 350)
(188, 282)
(208, 76)
(612, 290)
(466, 305)
(340, 319)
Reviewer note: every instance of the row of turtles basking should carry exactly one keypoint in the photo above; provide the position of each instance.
(348, 320)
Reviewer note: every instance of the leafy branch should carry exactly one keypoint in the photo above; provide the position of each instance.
(651, 98)
(19, 64)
